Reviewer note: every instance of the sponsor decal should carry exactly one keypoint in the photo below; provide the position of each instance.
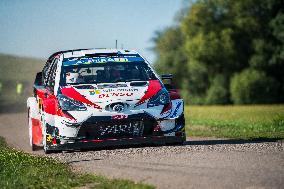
(119, 90)
(92, 60)
(49, 138)
(132, 90)
(94, 91)
(119, 117)
(176, 110)
(115, 94)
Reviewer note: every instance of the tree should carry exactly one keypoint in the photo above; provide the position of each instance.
(171, 58)
(215, 42)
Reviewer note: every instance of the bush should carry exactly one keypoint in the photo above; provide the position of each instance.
(253, 87)
(218, 92)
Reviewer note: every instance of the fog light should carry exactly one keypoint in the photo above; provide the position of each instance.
(157, 130)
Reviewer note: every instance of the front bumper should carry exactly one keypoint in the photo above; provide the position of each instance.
(103, 131)
(97, 144)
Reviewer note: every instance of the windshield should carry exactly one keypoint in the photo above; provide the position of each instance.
(111, 72)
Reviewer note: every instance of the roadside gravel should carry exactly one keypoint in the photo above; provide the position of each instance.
(200, 163)
(191, 146)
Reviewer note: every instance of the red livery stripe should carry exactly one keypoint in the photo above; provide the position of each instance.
(153, 88)
(72, 93)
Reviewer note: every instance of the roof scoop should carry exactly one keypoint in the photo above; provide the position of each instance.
(138, 83)
(85, 87)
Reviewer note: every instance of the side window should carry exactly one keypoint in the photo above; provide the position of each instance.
(148, 73)
(46, 71)
(52, 74)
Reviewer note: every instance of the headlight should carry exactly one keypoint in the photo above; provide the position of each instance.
(68, 104)
(161, 98)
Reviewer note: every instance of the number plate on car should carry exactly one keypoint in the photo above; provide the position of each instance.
(120, 129)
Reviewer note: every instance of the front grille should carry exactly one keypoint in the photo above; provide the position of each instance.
(117, 128)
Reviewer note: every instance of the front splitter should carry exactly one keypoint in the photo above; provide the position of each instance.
(100, 144)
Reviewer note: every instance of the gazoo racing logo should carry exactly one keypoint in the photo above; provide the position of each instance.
(94, 91)
(107, 93)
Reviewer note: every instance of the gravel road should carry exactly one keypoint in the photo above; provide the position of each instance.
(200, 163)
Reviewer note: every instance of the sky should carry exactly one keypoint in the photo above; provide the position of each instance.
(39, 28)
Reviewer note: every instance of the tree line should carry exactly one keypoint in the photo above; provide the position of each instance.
(225, 51)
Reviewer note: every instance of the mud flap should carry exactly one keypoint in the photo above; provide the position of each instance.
(36, 132)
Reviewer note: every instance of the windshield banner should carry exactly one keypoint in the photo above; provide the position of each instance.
(92, 60)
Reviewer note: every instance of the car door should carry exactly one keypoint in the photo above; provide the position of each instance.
(49, 99)
(44, 91)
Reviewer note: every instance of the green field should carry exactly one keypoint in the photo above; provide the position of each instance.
(251, 121)
(15, 70)
(22, 170)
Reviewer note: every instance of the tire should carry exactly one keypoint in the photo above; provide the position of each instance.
(180, 143)
(46, 151)
(45, 146)
(32, 145)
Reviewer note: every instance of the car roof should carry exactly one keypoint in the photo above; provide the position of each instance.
(99, 51)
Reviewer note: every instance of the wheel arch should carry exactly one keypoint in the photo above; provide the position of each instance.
(33, 106)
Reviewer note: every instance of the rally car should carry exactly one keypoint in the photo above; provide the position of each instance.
(91, 98)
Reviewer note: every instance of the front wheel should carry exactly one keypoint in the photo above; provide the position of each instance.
(45, 145)
(47, 142)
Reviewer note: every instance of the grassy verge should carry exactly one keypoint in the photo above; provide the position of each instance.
(252, 121)
(22, 170)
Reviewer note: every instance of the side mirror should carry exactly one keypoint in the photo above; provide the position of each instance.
(38, 79)
(167, 81)
(167, 76)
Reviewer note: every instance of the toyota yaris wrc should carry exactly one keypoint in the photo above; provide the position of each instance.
(102, 97)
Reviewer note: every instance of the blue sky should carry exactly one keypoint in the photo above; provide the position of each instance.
(39, 28)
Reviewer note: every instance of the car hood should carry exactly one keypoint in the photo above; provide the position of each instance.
(100, 95)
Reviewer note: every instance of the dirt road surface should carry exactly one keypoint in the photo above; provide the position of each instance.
(200, 163)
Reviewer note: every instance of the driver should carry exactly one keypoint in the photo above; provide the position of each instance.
(74, 77)
(115, 75)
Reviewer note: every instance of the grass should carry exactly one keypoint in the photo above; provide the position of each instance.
(22, 170)
(245, 122)
(15, 68)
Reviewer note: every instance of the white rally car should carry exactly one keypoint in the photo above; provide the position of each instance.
(90, 98)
